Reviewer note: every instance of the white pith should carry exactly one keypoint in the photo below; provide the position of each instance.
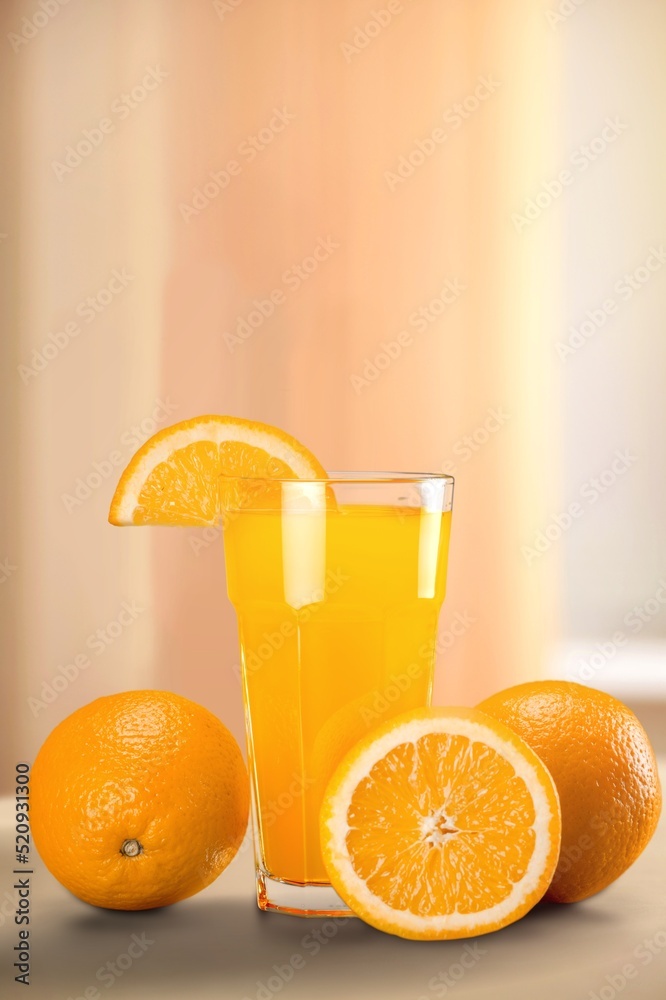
(216, 432)
(431, 831)
(410, 732)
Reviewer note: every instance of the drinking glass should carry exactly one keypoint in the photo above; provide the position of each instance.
(337, 585)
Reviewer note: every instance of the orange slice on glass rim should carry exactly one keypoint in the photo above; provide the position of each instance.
(185, 474)
(441, 823)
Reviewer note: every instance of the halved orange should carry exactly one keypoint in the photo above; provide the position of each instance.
(441, 823)
(177, 476)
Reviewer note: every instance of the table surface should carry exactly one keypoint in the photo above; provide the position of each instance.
(218, 945)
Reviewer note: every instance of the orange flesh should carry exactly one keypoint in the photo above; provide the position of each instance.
(421, 811)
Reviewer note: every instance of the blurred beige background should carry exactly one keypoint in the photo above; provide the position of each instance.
(486, 177)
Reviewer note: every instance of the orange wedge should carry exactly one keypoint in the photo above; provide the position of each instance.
(441, 823)
(177, 477)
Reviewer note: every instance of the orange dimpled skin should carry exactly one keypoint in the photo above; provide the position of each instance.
(605, 771)
(138, 800)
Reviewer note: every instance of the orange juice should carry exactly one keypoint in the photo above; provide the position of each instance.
(337, 611)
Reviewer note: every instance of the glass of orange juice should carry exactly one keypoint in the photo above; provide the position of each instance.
(337, 586)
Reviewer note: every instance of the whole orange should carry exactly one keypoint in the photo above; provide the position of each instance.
(138, 800)
(605, 772)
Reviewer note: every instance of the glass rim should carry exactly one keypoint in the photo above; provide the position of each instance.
(351, 478)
